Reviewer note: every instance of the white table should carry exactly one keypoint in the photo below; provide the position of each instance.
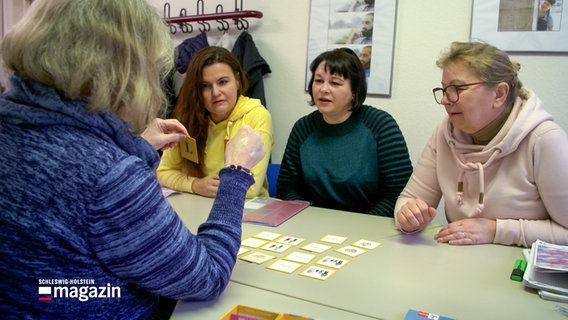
(405, 272)
(261, 299)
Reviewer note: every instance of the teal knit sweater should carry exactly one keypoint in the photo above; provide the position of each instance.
(359, 165)
(82, 213)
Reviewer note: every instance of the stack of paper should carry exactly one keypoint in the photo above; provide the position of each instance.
(547, 268)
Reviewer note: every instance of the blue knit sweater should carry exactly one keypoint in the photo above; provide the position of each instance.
(81, 210)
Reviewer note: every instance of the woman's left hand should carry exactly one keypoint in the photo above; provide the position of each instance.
(164, 133)
(467, 231)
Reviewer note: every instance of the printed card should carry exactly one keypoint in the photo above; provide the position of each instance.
(166, 192)
(284, 266)
(366, 244)
(351, 251)
(300, 257)
(333, 262)
(551, 257)
(276, 247)
(333, 239)
(290, 240)
(188, 148)
(242, 250)
(317, 273)
(257, 257)
(267, 235)
(316, 247)
(253, 242)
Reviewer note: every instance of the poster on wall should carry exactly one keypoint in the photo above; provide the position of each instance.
(365, 26)
(521, 25)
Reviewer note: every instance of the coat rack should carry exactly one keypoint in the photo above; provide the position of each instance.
(183, 19)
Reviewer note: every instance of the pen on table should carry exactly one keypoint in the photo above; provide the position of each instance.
(561, 309)
(552, 296)
(519, 270)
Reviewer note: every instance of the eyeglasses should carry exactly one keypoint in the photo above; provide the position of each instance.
(451, 92)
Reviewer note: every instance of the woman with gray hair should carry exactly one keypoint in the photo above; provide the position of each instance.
(498, 158)
(86, 231)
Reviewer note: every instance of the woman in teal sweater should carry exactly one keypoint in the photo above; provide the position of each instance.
(345, 155)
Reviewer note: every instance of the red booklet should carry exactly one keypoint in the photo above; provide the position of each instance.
(271, 211)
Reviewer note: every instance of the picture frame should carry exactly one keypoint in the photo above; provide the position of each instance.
(511, 25)
(338, 23)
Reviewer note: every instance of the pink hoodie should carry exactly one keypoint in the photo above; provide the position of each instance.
(520, 178)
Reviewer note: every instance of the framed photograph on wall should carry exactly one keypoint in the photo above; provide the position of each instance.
(521, 25)
(365, 26)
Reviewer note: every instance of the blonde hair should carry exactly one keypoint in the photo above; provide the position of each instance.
(491, 64)
(115, 52)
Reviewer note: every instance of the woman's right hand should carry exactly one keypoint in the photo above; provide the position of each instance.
(245, 149)
(414, 215)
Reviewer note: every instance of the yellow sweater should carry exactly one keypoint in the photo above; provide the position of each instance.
(247, 111)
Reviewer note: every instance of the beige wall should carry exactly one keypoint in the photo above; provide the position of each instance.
(423, 29)
(10, 12)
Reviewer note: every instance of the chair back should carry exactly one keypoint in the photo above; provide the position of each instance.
(272, 176)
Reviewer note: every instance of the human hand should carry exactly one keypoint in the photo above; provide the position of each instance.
(245, 149)
(164, 133)
(206, 186)
(354, 35)
(415, 214)
(468, 231)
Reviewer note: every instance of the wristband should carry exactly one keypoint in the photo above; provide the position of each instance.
(240, 168)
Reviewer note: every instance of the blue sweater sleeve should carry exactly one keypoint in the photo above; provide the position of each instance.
(139, 237)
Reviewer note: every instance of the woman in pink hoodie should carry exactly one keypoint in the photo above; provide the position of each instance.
(498, 158)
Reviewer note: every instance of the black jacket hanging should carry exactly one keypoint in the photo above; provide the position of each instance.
(254, 65)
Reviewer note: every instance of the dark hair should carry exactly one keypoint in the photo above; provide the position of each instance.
(346, 63)
(190, 106)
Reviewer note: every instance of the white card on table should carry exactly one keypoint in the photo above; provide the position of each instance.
(316, 247)
(284, 266)
(257, 257)
(253, 243)
(366, 244)
(317, 273)
(242, 250)
(276, 247)
(290, 240)
(333, 239)
(300, 257)
(267, 235)
(351, 251)
(332, 262)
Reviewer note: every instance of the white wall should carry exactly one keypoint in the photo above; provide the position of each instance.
(423, 29)
(11, 12)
